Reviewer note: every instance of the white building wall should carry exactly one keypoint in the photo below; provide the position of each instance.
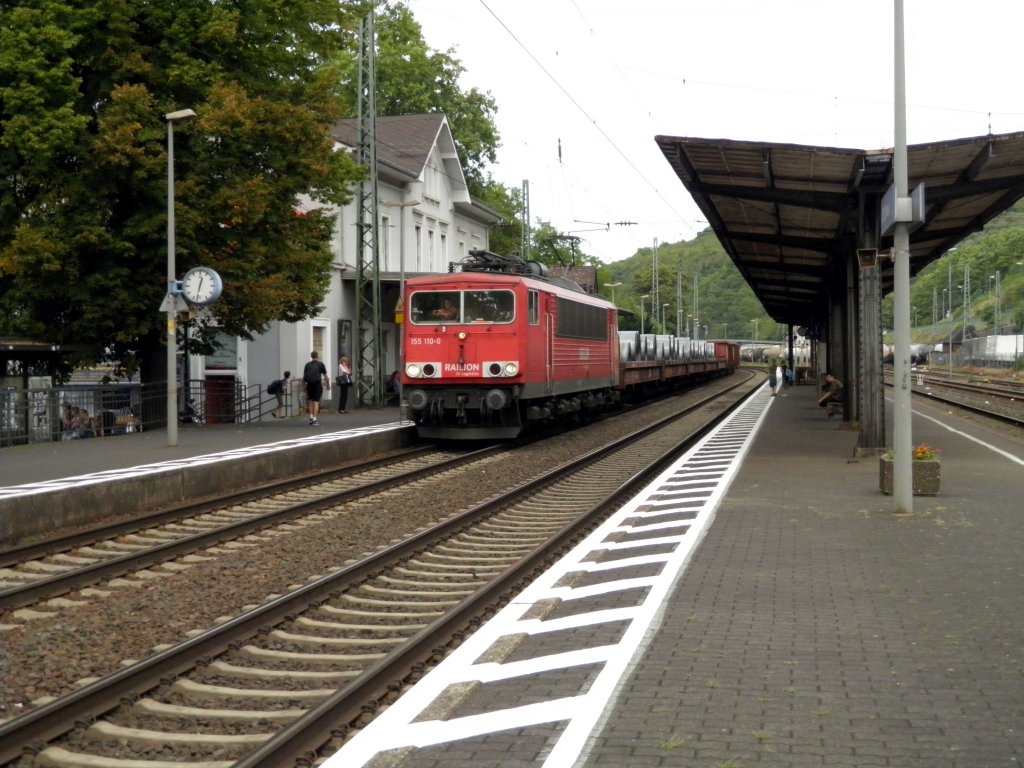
(424, 233)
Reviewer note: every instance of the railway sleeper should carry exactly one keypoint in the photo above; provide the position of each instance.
(207, 692)
(154, 708)
(260, 673)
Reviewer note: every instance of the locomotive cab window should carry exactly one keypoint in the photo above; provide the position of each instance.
(427, 307)
(489, 306)
(533, 299)
(431, 307)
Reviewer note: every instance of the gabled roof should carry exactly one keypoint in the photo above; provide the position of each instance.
(404, 143)
(788, 214)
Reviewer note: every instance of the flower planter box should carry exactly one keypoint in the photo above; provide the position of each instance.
(925, 477)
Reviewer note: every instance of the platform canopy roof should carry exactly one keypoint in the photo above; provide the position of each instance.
(789, 214)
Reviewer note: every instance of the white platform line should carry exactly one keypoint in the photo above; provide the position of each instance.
(141, 470)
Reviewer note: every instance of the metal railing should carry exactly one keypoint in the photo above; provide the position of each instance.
(81, 411)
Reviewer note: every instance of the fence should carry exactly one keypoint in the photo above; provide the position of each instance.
(1005, 350)
(77, 411)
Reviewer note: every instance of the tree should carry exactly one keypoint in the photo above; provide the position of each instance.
(83, 91)
(507, 237)
(414, 79)
(727, 302)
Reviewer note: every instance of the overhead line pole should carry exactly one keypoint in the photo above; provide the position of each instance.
(524, 237)
(903, 492)
(368, 341)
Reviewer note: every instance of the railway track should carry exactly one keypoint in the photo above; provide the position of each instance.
(46, 570)
(1002, 401)
(277, 681)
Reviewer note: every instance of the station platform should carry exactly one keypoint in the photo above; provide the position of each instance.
(815, 627)
(45, 486)
(804, 623)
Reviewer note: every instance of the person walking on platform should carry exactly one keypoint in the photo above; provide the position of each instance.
(314, 378)
(832, 392)
(279, 388)
(344, 382)
(772, 380)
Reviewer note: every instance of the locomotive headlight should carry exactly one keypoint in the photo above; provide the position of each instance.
(462, 335)
(499, 369)
(423, 370)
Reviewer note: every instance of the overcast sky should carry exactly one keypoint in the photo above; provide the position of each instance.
(601, 78)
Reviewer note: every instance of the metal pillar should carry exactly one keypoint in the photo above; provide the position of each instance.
(655, 300)
(871, 437)
(173, 302)
(524, 238)
(369, 370)
(902, 443)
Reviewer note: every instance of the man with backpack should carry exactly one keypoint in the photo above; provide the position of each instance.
(279, 387)
(314, 378)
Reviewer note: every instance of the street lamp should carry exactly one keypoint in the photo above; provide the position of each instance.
(173, 303)
(645, 296)
(755, 321)
(664, 310)
(613, 286)
(949, 277)
(998, 308)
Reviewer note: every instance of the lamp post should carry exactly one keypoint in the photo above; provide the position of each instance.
(688, 334)
(755, 322)
(949, 277)
(664, 312)
(998, 308)
(613, 286)
(645, 296)
(174, 302)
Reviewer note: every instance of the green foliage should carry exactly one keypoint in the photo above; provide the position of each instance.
(999, 247)
(725, 302)
(83, 166)
(414, 79)
(506, 238)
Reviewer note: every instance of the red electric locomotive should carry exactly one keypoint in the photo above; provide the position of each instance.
(501, 344)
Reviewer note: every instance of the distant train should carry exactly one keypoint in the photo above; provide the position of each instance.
(501, 345)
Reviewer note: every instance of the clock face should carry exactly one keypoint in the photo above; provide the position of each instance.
(202, 285)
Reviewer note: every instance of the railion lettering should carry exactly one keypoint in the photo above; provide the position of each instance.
(462, 368)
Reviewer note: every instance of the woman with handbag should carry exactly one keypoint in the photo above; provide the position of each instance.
(344, 381)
